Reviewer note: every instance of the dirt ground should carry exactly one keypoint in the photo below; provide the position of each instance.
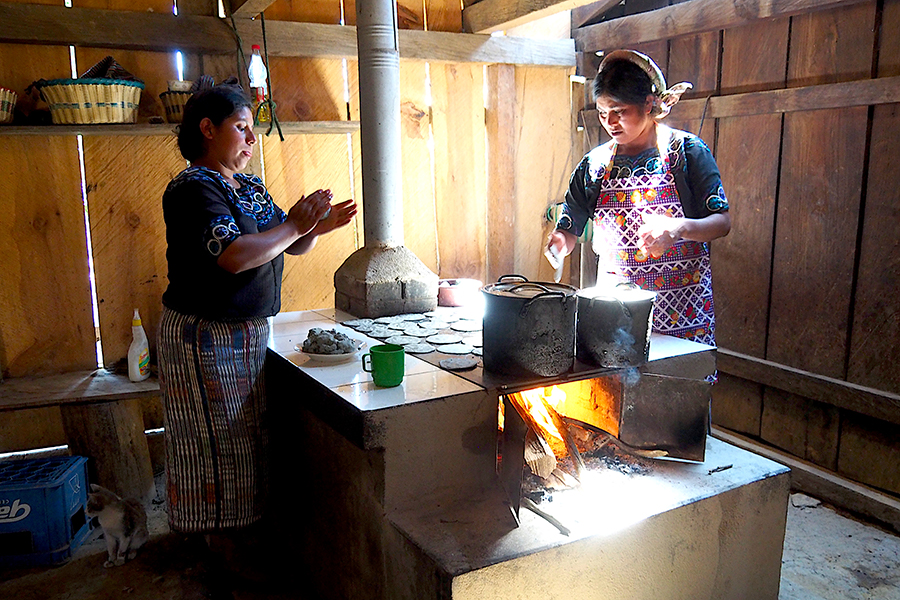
(171, 566)
(827, 556)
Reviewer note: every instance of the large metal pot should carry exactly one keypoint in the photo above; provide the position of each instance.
(529, 327)
(614, 325)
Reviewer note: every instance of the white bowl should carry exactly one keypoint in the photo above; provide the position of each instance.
(332, 359)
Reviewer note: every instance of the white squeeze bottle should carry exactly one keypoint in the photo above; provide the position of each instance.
(138, 352)
(258, 81)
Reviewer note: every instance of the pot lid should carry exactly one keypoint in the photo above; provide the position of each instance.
(527, 289)
(624, 292)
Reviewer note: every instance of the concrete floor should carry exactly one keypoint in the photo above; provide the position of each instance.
(827, 556)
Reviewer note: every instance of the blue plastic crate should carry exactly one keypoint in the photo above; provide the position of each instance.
(42, 504)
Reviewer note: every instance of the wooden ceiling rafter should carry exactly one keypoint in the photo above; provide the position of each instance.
(585, 14)
(489, 16)
(247, 9)
(135, 30)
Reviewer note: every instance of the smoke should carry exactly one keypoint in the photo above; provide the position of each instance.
(623, 339)
(630, 376)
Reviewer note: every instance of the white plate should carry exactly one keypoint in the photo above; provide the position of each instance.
(332, 359)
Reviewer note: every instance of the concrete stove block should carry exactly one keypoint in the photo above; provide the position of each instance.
(384, 280)
(684, 532)
(404, 503)
(677, 357)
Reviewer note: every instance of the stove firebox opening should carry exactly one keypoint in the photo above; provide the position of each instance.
(549, 437)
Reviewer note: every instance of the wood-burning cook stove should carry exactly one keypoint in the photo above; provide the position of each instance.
(635, 415)
(405, 501)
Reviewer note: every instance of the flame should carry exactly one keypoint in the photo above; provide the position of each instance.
(533, 404)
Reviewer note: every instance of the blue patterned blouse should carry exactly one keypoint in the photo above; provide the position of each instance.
(203, 215)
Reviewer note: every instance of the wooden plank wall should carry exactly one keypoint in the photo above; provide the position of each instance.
(875, 326)
(753, 59)
(45, 297)
(311, 89)
(808, 276)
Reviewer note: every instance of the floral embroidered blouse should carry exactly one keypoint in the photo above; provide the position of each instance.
(697, 179)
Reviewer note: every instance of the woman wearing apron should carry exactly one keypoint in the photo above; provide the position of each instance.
(655, 197)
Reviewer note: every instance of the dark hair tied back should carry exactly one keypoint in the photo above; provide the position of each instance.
(216, 103)
(624, 82)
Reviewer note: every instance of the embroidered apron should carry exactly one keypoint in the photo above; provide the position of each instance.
(681, 277)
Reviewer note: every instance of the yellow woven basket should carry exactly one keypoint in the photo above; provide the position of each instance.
(7, 105)
(89, 101)
(174, 103)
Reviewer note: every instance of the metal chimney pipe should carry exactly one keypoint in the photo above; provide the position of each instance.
(379, 99)
(383, 277)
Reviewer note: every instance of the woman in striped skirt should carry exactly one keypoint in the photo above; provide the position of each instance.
(226, 239)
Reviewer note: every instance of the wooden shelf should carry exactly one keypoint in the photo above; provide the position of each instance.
(72, 388)
(288, 128)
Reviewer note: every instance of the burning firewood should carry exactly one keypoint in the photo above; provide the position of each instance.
(602, 438)
(567, 437)
(538, 455)
(536, 418)
(550, 428)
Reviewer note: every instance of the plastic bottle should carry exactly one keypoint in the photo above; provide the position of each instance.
(258, 74)
(138, 352)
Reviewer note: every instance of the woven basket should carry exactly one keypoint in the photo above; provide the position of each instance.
(174, 104)
(86, 101)
(7, 105)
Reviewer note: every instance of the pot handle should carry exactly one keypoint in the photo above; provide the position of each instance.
(511, 276)
(530, 284)
(628, 285)
(621, 304)
(524, 310)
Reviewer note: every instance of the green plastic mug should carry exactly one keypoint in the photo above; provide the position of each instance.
(386, 364)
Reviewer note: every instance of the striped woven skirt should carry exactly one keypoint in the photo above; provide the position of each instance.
(215, 431)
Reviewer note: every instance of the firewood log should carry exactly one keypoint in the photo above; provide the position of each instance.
(538, 455)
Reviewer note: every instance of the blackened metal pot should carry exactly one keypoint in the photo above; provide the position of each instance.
(529, 327)
(614, 325)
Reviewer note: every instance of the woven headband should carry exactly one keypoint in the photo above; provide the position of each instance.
(666, 98)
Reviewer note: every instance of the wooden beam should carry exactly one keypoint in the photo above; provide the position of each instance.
(843, 394)
(58, 25)
(822, 484)
(689, 18)
(489, 16)
(287, 127)
(248, 9)
(310, 40)
(442, 46)
(587, 13)
(500, 123)
(866, 92)
(132, 30)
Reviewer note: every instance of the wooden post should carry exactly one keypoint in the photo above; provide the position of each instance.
(111, 434)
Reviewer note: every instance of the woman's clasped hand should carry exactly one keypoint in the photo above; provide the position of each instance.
(315, 214)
